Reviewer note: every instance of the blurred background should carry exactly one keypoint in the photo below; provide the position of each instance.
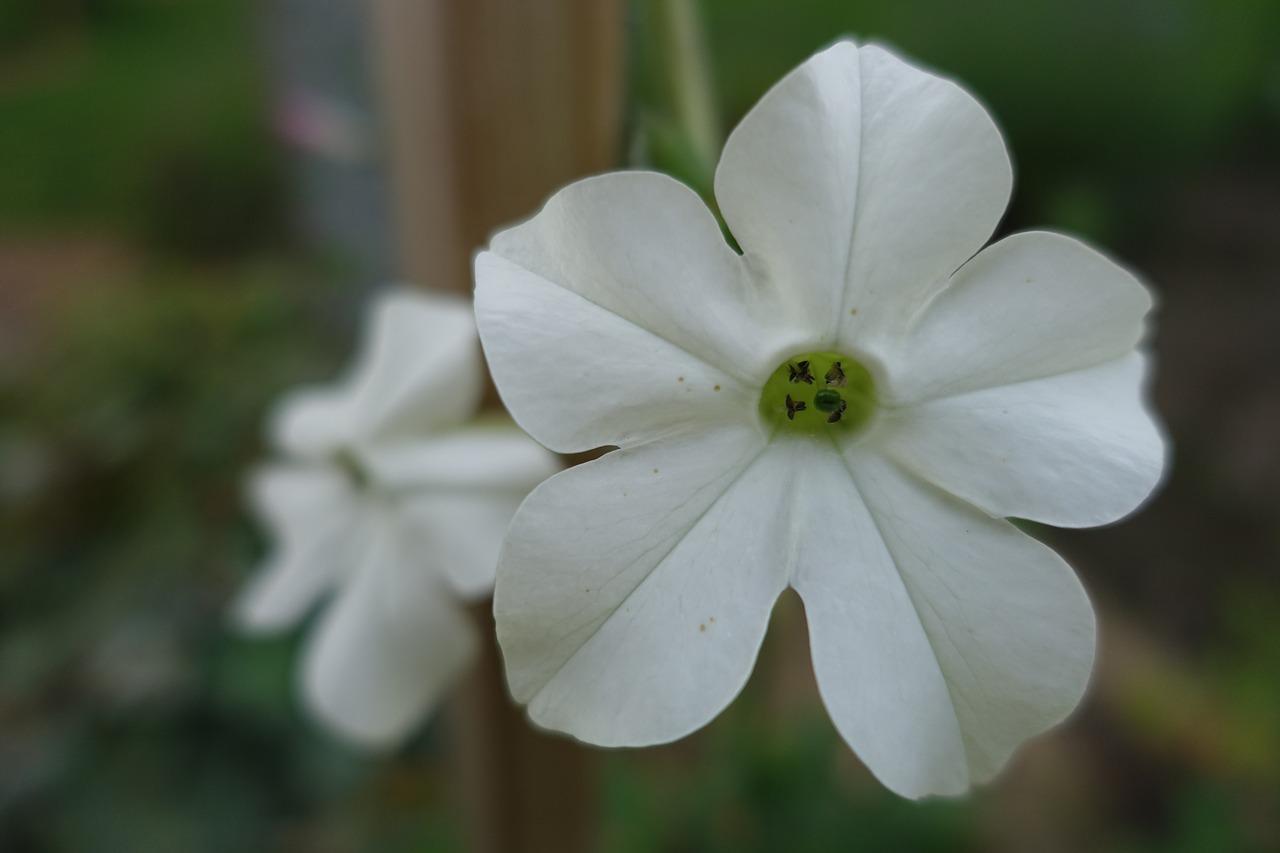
(195, 197)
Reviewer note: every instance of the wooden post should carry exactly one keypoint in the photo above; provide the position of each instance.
(490, 105)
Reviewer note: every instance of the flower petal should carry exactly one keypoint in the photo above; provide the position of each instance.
(419, 369)
(578, 372)
(645, 247)
(861, 182)
(314, 520)
(634, 591)
(1074, 450)
(476, 458)
(461, 534)
(391, 644)
(1033, 305)
(941, 637)
(457, 493)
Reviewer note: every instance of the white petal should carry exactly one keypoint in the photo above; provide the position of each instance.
(419, 368)
(315, 520)
(392, 643)
(458, 492)
(461, 533)
(1032, 305)
(645, 247)
(496, 458)
(941, 638)
(634, 591)
(575, 375)
(1074, 450)
(861, 182)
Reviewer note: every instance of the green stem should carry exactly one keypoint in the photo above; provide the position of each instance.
(686, 68)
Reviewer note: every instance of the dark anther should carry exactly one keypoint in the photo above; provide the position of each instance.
(836, 415)
(794, 406)
(800, 373)
(835, 376)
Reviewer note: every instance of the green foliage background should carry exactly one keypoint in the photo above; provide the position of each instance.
(135, 163)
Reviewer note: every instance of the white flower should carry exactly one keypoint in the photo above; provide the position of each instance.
(851, 408)
(389, 502)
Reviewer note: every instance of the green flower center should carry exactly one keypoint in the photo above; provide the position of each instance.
(819, 392)
(352, 467)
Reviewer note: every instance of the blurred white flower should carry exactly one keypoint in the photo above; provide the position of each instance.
(390, 502)
(851, 407)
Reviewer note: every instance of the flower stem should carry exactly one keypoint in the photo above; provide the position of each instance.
(685, 69)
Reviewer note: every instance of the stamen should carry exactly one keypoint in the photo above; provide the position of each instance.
(837, 407)
(800, 372)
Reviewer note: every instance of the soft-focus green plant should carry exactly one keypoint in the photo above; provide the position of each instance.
(143, 114)
(1107, 103)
